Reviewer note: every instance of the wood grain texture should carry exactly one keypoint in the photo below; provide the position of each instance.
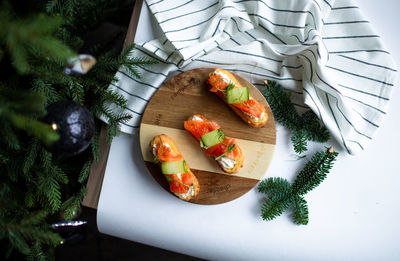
(187, 94)
(96, 175)
(214, 188)
(257, 155)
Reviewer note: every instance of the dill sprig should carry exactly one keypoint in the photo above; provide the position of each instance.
(230, 86)
(231, 147)
(169, 179)
(156, 159)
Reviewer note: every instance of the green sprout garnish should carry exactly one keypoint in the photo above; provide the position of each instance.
(230, 87)
(231, 147)
(251, 107)
(169, 179)
(156, 159)
(162, 146)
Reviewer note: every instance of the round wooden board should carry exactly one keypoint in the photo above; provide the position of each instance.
(187, 94)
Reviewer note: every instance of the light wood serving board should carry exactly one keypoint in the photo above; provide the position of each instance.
(187, 94)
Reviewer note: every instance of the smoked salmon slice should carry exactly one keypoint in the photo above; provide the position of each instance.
(222, 82)
(198, 128)
(223, 149)
(182, 182)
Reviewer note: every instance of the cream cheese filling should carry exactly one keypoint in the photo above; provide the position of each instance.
(155, 148)
(196, 118)
(224, 77)
(227, 163)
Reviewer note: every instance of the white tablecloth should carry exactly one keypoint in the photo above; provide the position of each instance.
(353, 214)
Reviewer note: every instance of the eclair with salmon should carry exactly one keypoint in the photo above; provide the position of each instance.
(223, 149)
(182, 182)
(237, 97)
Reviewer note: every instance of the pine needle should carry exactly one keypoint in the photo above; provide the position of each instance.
(33, 51)
(274, 206)
(84, 174)
(300, 211)
(281, 195)
(71, 206)
(305, 127)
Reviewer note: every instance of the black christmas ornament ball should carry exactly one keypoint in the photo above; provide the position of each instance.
(75, 125)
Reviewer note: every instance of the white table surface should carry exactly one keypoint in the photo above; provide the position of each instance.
(354, 213)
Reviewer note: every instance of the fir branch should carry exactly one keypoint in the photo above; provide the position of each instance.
(76, 90)
(96, 145)
(33, 127)
(20, 108)
(116, 98)
(281, 106)
(9, 137)
(299, 141)
(33, 51)
(84, 174)
(30, 156)
(37, 253)
(14, 169)
(71, 206)
(23, 232)
(314, 130)
(274, 206)
(112, 131)
(59, 173)
(21, 102)
(22, 36)
(46, 90)
(19, 242)
(46, 159)
(30, 197)
(281, 195)
(50, 192)
(314, 172)
(48, 182)
(304, 128)
(30, 229)
(61, 7)
(108, 62)
(34, 218)
(273, 186)
(300, 211)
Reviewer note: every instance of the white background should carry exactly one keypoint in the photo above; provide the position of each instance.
(354, 213)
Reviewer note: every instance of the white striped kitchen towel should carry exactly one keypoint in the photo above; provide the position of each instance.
(323, 51)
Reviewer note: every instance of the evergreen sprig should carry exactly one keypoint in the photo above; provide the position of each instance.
(281, 195)
(305, 127)
(36, 39)
(21, 110)
(25, 37)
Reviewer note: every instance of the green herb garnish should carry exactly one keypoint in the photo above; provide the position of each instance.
(156, 159)
(229, 87)
(231, 147)
(169, 179)
(248, 106)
